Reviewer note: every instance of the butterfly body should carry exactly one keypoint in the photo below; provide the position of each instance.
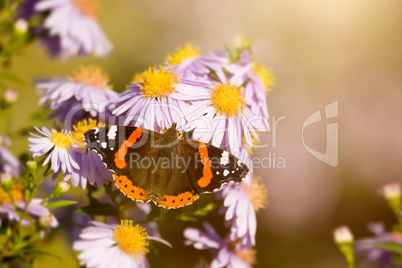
(172, 172)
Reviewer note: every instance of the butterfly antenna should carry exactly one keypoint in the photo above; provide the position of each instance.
(192, 120)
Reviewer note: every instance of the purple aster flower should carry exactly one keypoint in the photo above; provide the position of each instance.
(156, 99)
(229, 116)
(226, 252)
(372, 253)
(67, 157)
(35, 209)
(256, 80)
(241, 202)
(91, 165)
(188, 62)
(59, 147)
(87, 90)
(70, 27)
(106, 245)
(8, 162)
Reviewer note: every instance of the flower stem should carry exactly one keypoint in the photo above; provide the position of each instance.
(4, 251)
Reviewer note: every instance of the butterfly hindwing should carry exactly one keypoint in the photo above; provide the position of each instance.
(212, 167)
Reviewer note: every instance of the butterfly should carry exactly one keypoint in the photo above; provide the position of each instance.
(163, 168)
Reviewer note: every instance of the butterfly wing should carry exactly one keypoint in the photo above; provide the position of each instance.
(172, 177)
(120, 148)
(212, 167)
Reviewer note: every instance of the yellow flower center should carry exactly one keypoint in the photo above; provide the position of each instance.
(257, 194)
(93, 76)
(247, 256)
(81, 127)
(159, 83)
(62, 139)
(183, 53)
(18, 193)
(132, 240)
(90, 8)
(227, 100)
(267, 78)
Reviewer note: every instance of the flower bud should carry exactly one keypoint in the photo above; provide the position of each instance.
(392, 192)
(60, 189)
(344, 239)
(10, 95)
(21, 26)
(32, 166)
(343, 235)
(45, 222)
(6, 181)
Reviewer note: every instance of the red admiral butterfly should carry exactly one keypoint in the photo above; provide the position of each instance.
(164, 168)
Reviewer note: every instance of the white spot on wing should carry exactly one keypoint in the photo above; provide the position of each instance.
(111, 134)
(225, 158)
(239, 162)
(96, 130)
(226, 172)
(103, 144)
(111, 148)
(217, 173)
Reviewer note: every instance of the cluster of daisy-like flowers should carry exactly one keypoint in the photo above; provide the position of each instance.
(218, 98)
(384, 249)
(67, 28)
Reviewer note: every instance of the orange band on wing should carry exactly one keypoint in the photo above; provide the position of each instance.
(173, 201)
(122, 152)
(205, 180)
(127, 188)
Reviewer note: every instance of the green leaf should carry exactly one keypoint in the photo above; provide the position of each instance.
(187, 218)
(61, 203)
(205, 210)
(388, 246)
(102, 209)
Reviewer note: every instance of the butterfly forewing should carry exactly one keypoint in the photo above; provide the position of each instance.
(115, 143)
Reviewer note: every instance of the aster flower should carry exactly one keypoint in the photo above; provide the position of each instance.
(157, 98)
(241, 203)
(229, 116)
(91, 165)
(226, 252)
(106, 245)
(8, 162)
(257, 81)
(59, 147)
(377, 255)
(86, 90)
(187, 61)
(70, 27)
(35, 209)
(65, 155)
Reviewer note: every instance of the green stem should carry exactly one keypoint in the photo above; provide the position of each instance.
(4, 251)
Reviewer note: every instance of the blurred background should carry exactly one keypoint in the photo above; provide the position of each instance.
(348, 51)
